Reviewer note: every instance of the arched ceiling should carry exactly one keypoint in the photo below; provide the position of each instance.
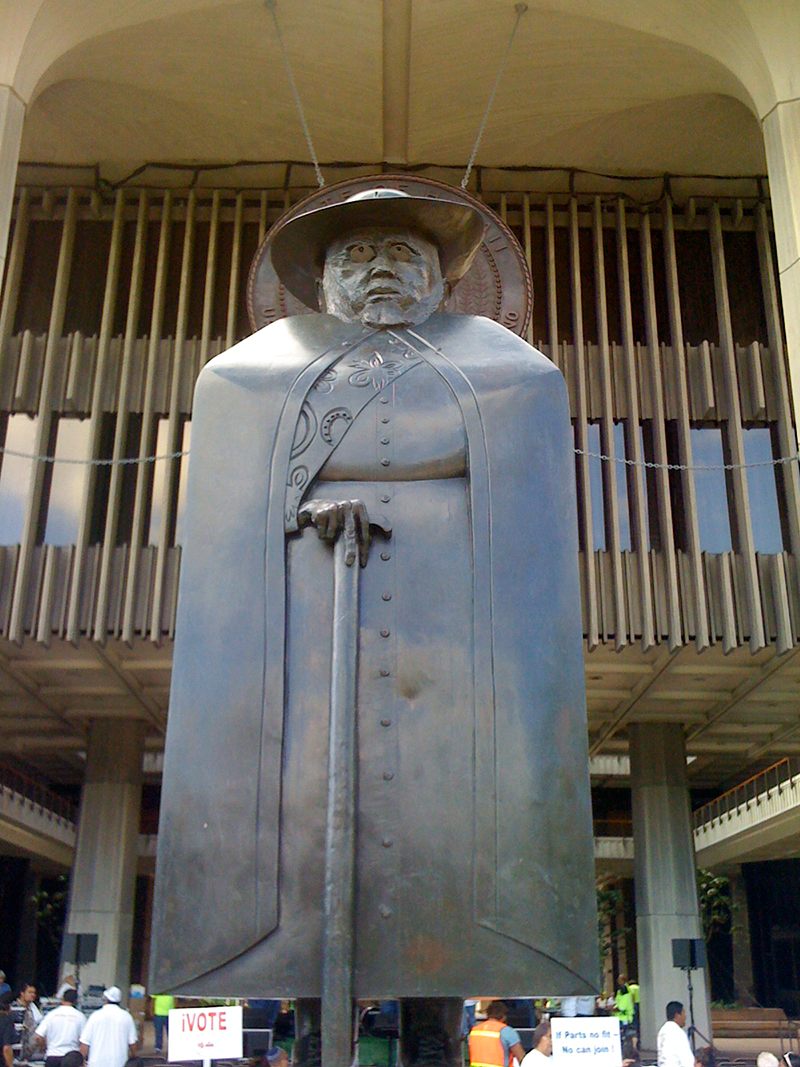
(602, 84)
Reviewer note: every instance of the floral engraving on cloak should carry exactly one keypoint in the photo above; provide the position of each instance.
(329, 421)
(306, 430)
(374, 371)
(324, 384)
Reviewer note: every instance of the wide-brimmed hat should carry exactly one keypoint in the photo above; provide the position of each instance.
(299, 244)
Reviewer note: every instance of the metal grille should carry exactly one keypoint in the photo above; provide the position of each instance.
(665, 321)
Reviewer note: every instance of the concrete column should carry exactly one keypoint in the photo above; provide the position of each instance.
(740, 936)
(104, 873)
(781, 128)
(12, 113)
(666, 887)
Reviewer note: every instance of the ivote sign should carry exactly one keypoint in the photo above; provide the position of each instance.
(205, 1033)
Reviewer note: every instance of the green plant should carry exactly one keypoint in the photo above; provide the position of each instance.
(609, 902)
(714, 899)
(51, 910)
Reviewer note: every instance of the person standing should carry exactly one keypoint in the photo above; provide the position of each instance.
(109, 1037)
(162, 1006)
(60, 1030)
(30, 1020)
(542, 1046)
(4, 986)
(70, 982)
(8, 1032)
(493, 1042)
(674, 1049)
(625, 1007)
(576, 1007)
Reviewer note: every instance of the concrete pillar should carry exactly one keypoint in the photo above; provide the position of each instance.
(12, 113)
(781, 128)
(666, 888)
(104, 873)
(743, 983)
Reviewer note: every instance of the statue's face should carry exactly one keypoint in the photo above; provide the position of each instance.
(382, 277)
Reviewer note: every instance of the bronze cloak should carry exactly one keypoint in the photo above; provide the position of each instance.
(509, 906)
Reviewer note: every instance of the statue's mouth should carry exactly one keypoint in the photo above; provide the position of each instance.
(383, 292)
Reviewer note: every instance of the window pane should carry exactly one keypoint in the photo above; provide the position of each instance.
(596, 486)
(621, 478)
(66, 488)
(157, 487)
(641, 474)
(15, 477)
(186, 444)
(712, 496)
(763, 492)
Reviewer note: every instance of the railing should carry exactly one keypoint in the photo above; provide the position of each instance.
(28, 787)
(774, 777)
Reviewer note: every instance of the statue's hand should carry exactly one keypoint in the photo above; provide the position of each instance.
(334, 517)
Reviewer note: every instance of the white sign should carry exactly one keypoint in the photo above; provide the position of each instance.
(206, 1033)
(593, 1041)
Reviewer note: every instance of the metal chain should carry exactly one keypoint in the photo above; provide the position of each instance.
(578, 451)
(92, 462)
(687, 466)
(272, 8)
(520, 10)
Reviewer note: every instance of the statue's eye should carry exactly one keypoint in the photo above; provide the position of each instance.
(402, 253)
(361, 253)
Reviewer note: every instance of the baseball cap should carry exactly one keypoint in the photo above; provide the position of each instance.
(113, 994)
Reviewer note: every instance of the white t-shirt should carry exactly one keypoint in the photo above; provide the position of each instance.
(64, 987)
(62, 1030)
(108, 1033)
(572, 1006)
(534, 1058)
(674, 1049)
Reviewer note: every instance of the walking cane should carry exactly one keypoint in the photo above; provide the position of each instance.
(340, 830)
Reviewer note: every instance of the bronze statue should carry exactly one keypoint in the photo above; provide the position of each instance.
(441, 843)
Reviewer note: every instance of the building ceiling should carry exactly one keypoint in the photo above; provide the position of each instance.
(588, 84)
(739, 710)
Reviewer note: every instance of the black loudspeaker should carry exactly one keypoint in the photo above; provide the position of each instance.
(688, 953)
(80, 948)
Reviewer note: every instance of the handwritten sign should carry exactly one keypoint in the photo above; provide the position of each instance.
(206, 1033)
(593, 1041)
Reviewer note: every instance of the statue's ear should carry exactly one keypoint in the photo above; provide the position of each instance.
(321, 295)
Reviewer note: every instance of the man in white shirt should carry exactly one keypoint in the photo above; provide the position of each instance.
(674, 1049)
(70, 982)
(60, 1030)
(574, 1007)
(109, 1037)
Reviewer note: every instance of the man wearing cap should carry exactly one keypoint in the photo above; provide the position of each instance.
(60, 1030)
(109, 1038)
(439, 447)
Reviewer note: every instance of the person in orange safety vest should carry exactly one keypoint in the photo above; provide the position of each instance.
(492, 1042)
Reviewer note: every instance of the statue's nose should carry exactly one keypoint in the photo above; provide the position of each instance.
(382, 270)
(383, 263)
